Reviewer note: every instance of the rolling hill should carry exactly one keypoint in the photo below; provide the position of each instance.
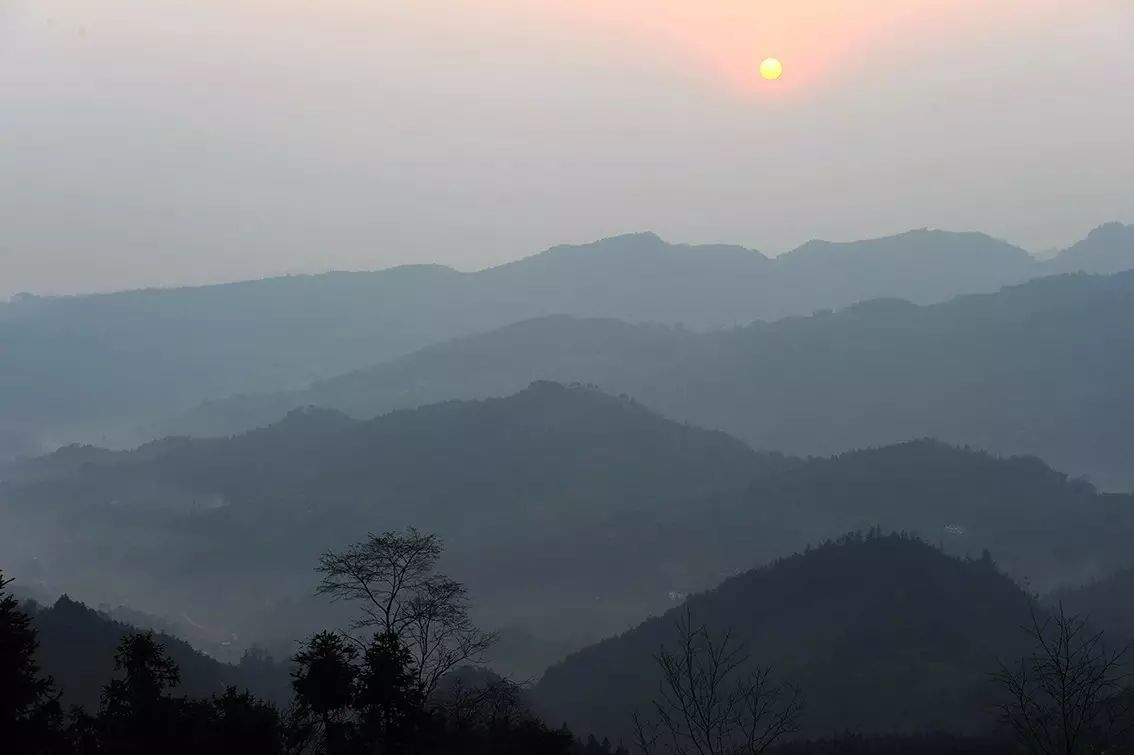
(1042, 369)
(883, 634)
(570, 513)
(94, 368)
(520, 488)
(1046, 529)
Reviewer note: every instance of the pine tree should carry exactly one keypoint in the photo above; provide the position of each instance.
(29, 711)
(324, 682)
(138, 715)
(388, 701)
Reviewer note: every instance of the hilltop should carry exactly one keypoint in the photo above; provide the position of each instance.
(884, 634)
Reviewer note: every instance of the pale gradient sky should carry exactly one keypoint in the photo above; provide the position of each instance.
(160, 142)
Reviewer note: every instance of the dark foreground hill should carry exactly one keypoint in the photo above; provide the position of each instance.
(883, 634)
(1041, 369)
(77, 647)
(89, 367)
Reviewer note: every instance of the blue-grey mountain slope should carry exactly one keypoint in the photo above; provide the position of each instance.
(94, 368)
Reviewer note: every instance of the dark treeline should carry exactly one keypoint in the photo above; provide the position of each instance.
(405, 677)
(77, 646)
(349, 698)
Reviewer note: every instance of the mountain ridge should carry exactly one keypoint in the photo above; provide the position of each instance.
(559, 506)
(501, 480)
(95, 368)
(1106, 230)
(803, 385)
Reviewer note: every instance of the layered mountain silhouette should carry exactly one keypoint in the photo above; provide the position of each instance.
(1047, 529)
(881, 633)
(91, 367)
(520, 488)
(1042, 368)
(570, 513)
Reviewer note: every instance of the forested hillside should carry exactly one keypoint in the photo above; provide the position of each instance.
(879, 633)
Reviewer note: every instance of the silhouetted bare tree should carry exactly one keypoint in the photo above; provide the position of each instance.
(1066, 697)
(710, 702)
(394, 577)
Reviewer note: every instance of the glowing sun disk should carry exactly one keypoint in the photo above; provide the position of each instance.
(771, 69)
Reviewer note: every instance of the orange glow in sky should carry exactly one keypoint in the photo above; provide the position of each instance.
(822, 43)
(819, 40)
(288, 135)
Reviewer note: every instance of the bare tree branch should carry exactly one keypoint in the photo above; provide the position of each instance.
(1066, 697)
(708, 703)
(393, 576)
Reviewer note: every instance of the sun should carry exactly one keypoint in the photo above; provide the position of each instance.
(771, 69)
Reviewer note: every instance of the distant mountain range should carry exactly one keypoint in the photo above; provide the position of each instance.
(1043, 368)
(882, 634)
(1107, 249)
(94, 367)
(570, 513)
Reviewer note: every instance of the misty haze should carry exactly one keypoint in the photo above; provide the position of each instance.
(573, 377)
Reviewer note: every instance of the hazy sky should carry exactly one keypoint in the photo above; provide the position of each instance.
(159, 142)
